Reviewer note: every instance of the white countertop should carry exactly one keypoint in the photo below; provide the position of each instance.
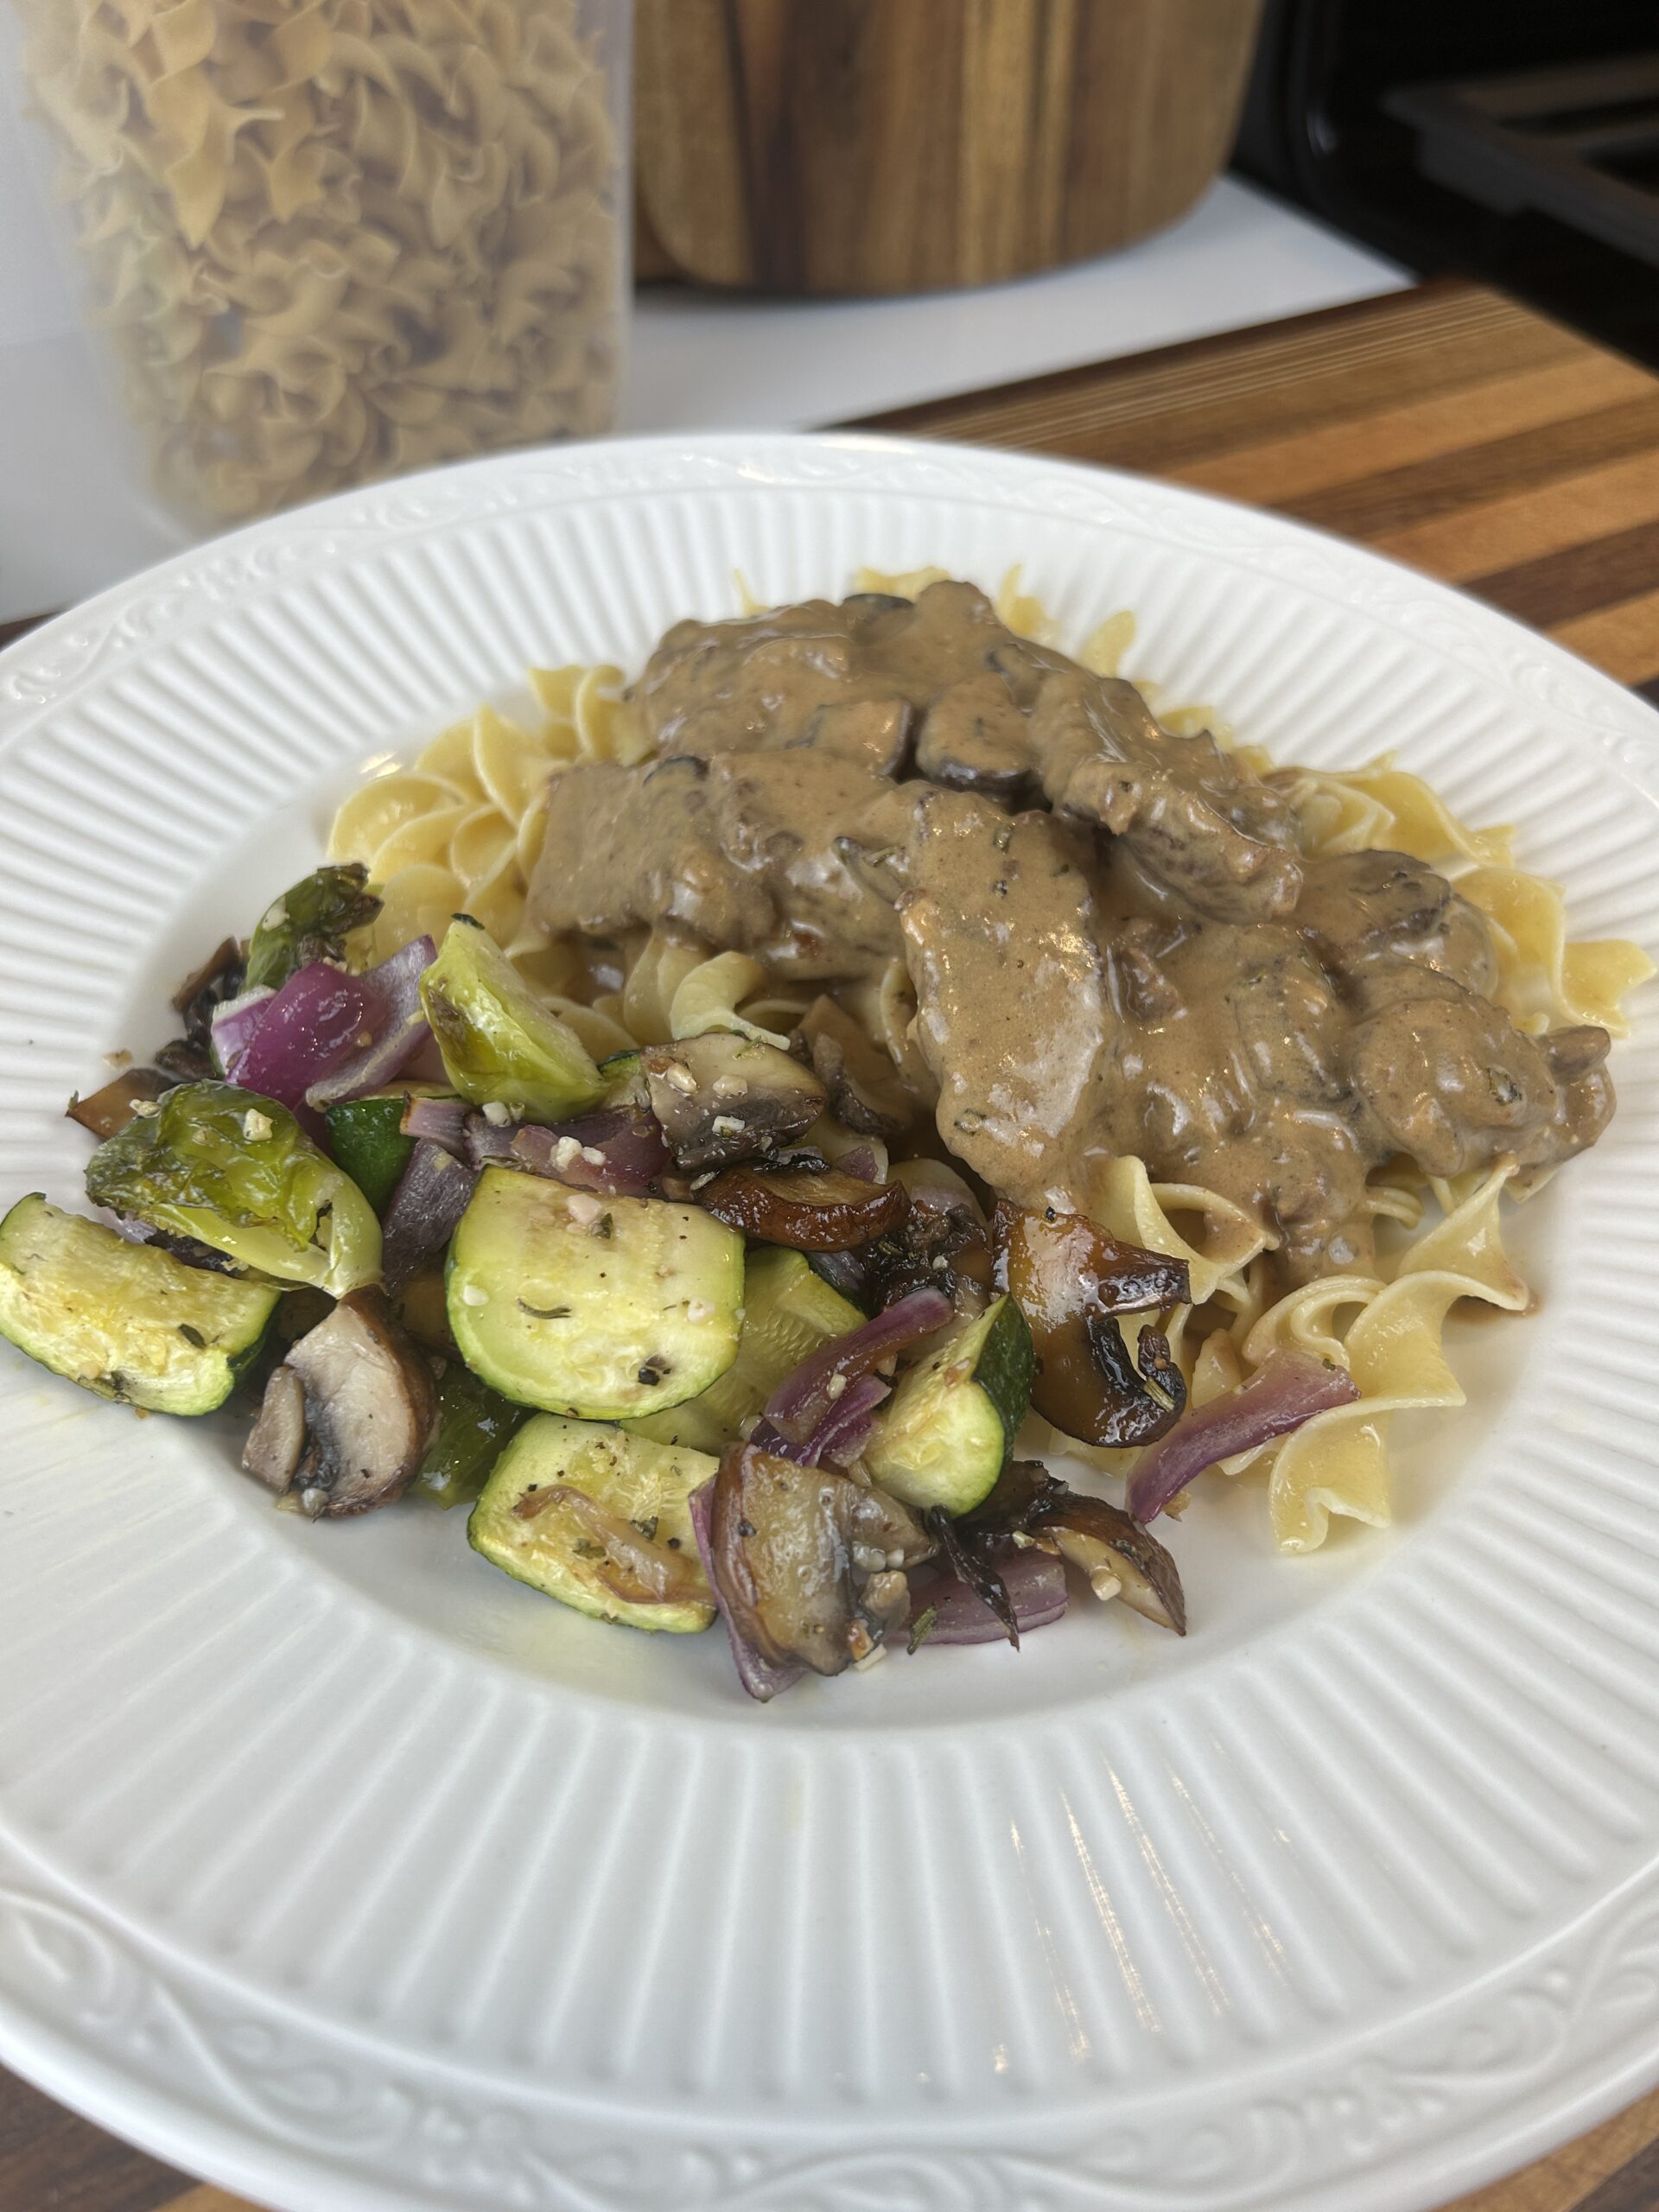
(72, 520)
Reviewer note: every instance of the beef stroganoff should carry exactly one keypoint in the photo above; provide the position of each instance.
(737, 1116)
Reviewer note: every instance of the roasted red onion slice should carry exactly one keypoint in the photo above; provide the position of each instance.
(396, 1028)
(845, 1272)
(758, 1675)
(235, 1024)
(326, 1035)
(420, 1215)
(620, 1152)
(1288, 1388)
(486, 1143)
(442, 1120)
(808, 1395)
(844, 1430)
(320, 1016)
(841, 1436)
(1034, 1580)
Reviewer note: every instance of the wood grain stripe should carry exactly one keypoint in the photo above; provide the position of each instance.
(48, 2158)
(1449, 428)
(1170, 408)
(1578, 579)
(1484, 471)
(1289, 467)
(1634, 2188)
(203, 2198)
(1526, 525)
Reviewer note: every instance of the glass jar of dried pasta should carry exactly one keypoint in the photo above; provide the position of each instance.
(328, 241)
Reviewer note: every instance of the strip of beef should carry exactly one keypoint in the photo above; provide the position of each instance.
(1227, 1072)
(781, 854)
(1441, 1069)
(1448, 1078)
(1002, 939)
(850, 677)
(988, 712)
(1222, 842)
(1281, 1063)
(1366, 913)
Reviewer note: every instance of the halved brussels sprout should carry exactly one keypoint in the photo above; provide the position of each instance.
(499, 1043)
(236, 1172)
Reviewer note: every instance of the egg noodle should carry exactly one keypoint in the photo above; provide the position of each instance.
(458, 832)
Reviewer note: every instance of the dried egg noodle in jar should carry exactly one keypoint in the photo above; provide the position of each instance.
(1118, 964)
(335, 241)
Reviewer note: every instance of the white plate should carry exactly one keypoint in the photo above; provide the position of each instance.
(338, 1867)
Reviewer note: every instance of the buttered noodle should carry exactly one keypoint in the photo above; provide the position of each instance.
(459, 831)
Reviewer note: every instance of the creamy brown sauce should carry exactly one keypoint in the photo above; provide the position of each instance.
(1114, 941)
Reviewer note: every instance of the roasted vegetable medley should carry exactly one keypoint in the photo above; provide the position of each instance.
(671, 1325)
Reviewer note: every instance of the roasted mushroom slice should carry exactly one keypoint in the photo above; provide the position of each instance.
(107, 1111)
(1145, 1392)
(1023, 1493)
(973, 1563)
(810, 1565)
(1116, 1552)
(276, 1443)
(183, 1062)
(865, 1089)
(810, 1209)
(1575, 1052)
(1119, 1557)
(974, 739)
(221, 977)
(347, 1416)
(1070, 1279)
(723, 1098)
(875, 732)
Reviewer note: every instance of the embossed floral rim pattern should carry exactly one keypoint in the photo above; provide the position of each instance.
(222, 2084)
(1431, 2094)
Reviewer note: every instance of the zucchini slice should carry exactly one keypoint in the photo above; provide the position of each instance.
(595, 1307)
(616, 1510)
(475, 1424)
(365, 1136)
(943, 1437)
(126, 1320)
(788, 1312)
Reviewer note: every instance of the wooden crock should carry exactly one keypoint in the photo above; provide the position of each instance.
(900, 145)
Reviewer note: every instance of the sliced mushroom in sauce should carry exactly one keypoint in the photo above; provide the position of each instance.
(866, 1090)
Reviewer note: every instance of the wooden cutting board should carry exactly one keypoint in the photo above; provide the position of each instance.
(1446, 426)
